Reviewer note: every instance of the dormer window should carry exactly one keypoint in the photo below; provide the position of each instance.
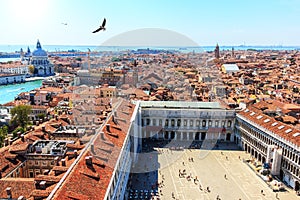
(289, 130)
(280, 127)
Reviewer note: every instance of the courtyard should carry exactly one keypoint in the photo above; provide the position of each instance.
(195, 174)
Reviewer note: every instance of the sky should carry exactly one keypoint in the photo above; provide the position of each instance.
(206, 22)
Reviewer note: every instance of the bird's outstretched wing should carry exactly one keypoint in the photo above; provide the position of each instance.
(104, 22)
(99, 29)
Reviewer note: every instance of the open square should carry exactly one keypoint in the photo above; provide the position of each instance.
(223, 171)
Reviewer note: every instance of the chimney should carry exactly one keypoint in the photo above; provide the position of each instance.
(8, 192)
(94, 130)
(21, 198)
(19, 134)
(108, 127)
(6, 141)
(92, 148)
(63, 162)
(43, 185)
(46, 172)
(44, 128)
(113, 119)
(10, 141)
(23, 137)
(75, 153)
(56, 159)
(88, 160)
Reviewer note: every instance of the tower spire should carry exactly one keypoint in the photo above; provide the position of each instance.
(38, 44)
(217, 51)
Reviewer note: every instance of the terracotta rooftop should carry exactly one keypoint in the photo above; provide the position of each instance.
(19, 187)
(285, 131)
(90, 181)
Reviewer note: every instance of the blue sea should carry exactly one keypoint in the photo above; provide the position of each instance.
(84, 48)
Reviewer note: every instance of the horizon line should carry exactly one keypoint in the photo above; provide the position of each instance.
(225, 45)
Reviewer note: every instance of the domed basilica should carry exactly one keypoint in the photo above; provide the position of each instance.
(39, 59)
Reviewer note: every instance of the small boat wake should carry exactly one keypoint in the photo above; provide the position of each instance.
(14, 90)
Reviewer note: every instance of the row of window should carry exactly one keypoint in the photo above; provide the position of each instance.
(40, 163)
(291, 168)
(40, 62)
(126, 168)
(174, 122)
(255, 143)
(288, 153)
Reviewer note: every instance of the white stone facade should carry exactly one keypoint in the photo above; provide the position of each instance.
(11, 78)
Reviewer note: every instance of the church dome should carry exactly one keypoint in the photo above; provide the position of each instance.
(39, 52)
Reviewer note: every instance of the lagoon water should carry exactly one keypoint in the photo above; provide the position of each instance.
(9, 92)
(84, 48)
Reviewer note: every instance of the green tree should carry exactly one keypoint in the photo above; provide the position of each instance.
(20, 115)
(16, 131)
(41, 115)
(3, 134)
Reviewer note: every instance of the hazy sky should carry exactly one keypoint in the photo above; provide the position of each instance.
(207, 22)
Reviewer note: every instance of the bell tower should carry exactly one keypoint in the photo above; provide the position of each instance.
(217, 52)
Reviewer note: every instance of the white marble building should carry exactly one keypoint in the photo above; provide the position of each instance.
(270, 141)
(193, 121)
(11, 78)
(39, 59)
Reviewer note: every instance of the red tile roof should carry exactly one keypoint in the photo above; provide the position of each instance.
(90, 181)
(278, 128)
(6, 162)
(19, 187)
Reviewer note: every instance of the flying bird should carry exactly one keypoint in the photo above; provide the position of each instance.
(102, 27)
(64, 24)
